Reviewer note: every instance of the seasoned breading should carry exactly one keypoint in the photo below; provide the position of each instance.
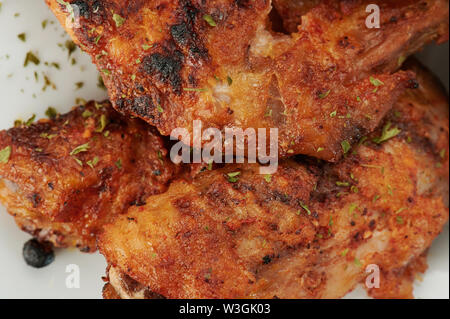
(308, 231)
(173, 62)
(66, 177)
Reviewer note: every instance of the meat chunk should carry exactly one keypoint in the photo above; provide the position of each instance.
(308, 231)
(173, 62)
(66, 177)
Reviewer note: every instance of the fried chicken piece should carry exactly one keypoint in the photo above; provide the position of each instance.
(308, 231)
(66, 177)
(173, 62)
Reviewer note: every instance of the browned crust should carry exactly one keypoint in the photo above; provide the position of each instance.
(54, 198)
(333, 55)
(384, 204)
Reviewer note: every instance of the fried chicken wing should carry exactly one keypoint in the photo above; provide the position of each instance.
(173, 62)
(64, 178)
(308, 231)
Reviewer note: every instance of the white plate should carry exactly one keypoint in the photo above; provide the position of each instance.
(22, 96)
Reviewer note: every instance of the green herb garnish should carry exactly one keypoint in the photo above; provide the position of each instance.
(5, 155)
(352, 207)
(22, 37)
(93, 162)
(51, 113)
(86, 114)
(118, 20)
(233, 177)
(387, 134)
(342, 184)
(30, 57)
(30, 120)
(48, 136)
(302, 205)
(210, 20)
(376, 82)
(119, 163)
(345, 146)
(100, 83)
(80, 149)
(102, 124)
(97, 39)
(79, 162)
(70, 46)
(324, 95)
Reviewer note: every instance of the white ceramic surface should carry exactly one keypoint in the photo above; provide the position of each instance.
(22, 96)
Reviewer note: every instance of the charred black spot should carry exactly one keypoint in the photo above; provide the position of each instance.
(280, 197)
(183, 33)
(142, 104)
(36, 200)
(180, 33)
(413, 84)
(267, 260)
(138, 202)
(344, 42)
(357, 237)
(85, 249)
(190, 11)
(166, 68)
(157, 173)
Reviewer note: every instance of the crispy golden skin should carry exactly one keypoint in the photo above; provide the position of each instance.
(308, 231)
(164, 62)
(64, 198)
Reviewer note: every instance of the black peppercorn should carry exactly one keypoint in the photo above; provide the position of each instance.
(38, 254)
